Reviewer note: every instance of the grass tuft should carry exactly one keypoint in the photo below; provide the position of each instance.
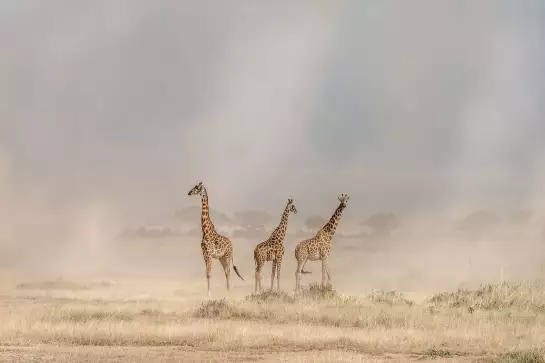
(270, 296)
(222, 309)
(522, 356)
(315, 291)
(391, 298)
(504, 296)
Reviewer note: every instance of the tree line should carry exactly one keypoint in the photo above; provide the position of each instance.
(253, 223)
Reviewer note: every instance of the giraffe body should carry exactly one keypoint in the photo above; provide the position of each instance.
(213, 244)
(273, 249)
(319, 247)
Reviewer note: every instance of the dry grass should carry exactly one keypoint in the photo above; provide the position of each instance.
(524, 356)
(495, 322)
(62, 284)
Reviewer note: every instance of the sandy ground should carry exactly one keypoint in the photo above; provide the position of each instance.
(173, 354)
(148, 321)
(151, 306)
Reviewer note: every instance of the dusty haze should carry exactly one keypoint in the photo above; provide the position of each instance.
(111, 112)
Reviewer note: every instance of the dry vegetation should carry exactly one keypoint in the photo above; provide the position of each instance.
(145, 322)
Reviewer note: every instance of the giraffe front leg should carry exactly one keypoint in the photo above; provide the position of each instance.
(298, 276)
(208, 265)
(278, 266)
(324, 271)
(258, 276)
(255, 278)
(273, 272)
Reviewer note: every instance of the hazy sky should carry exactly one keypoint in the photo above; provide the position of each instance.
(405, 106)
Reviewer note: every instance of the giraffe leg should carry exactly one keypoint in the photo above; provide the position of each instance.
(328, 275)
(258, 276)
(226, 263)
(278, 266)
(208, 265)
(273, 273)
(298, 276)
(260, 279)
(324, 271)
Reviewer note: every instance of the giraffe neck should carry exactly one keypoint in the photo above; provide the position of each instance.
(206, 222)
(280, 231)
(331, 226)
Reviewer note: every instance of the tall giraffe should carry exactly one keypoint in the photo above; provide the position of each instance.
(319, 246)
(213, 244)
(273, 248)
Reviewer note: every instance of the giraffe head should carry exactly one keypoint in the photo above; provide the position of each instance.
(344, 199)
(291, 206)
(197, 189)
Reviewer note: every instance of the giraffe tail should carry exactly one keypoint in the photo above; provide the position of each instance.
(236, 269)
(238, 273)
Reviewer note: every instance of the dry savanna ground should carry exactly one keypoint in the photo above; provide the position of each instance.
(398, 303)
(128, 321)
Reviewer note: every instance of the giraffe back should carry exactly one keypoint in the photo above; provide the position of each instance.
(314, 248)
(269, 250)
(216, 245)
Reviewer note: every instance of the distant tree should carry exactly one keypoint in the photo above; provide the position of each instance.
(478, 223)
(128, 233)
(251, 233)
(192, 214)
(253, 219)
(315, 222)
(148, 232)
(382, 224)
(521, 217)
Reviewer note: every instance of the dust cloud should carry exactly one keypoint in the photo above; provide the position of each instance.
(111, 112)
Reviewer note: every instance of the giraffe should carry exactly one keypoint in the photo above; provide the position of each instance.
(273, 249)
(319, 246)
(213, 244)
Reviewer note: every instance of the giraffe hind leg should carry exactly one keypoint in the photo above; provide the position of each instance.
(226, 263)
(273, 272)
